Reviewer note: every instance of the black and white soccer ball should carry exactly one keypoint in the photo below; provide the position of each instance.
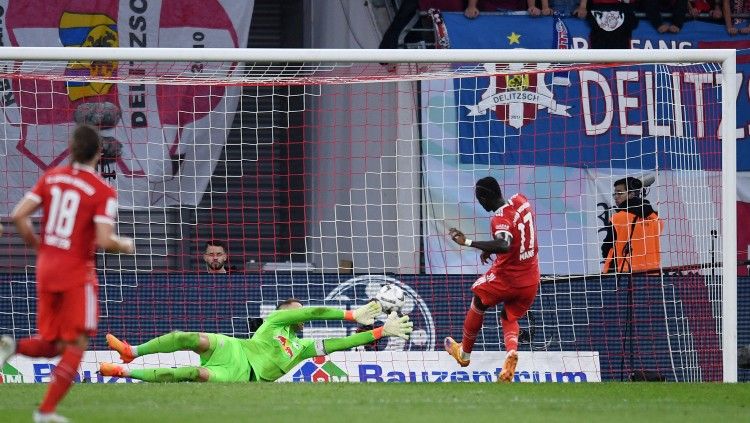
(391, 298)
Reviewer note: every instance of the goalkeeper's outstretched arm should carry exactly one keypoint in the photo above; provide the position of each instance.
(364, 315)
(393, 326)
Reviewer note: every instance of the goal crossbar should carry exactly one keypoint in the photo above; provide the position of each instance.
(367, 55)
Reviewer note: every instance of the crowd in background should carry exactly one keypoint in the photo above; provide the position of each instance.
(612, 21)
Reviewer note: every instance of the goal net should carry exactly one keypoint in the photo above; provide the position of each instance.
(324, 175)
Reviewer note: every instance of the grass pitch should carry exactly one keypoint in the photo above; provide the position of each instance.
(384, 402)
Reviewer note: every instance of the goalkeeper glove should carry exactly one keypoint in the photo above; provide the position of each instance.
(366, 314)
(397, 326)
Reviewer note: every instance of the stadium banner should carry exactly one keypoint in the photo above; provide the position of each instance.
(565, 316)
(387, 366)
(478, 129)
(349, 366)
(22, 369)
(168, 136)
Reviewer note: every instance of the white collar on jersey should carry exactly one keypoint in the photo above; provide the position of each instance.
(81, 166)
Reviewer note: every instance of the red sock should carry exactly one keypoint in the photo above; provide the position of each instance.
(37, 347)
(62, 378)
(472, 324)
(510, 334)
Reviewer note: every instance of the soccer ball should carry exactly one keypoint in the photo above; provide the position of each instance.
(391, 298)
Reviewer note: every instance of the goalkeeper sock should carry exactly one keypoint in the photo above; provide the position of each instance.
(171, 342)
(472, 324)
(510, 334)
(180, 374)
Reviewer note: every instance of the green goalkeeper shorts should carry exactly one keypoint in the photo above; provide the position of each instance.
(227, 362)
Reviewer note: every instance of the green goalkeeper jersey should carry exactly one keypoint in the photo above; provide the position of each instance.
(275, 348)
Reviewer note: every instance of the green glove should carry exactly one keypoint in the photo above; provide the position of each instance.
(366, 314)
(397, 326)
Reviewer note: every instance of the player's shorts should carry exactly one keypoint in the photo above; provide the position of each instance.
(227, 362)
(65, 315)
(516, 300)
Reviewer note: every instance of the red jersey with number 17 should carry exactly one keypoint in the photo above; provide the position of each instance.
(518, 267)
(73, 199)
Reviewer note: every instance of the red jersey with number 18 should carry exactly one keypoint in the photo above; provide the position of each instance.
(518, 267)
(73, 199)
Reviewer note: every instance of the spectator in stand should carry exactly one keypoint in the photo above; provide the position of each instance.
(710, 7)
(542, 10)
(612, 23)
(654, 8)
(581, 11)
(215, 257)
(564, 7)
(727, 10)
(474, 6)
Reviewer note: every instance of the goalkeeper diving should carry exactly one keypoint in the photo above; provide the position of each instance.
(274, 350)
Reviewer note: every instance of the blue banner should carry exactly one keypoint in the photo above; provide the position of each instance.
(635, 117)
(590, 314)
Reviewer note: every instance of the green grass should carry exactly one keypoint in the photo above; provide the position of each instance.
(381, 402)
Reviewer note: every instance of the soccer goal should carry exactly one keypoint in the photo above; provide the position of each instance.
(325, 174)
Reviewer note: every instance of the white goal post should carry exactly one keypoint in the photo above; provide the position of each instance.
(300, 66)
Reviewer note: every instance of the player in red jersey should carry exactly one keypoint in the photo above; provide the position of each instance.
(513, 278)
(78, 214)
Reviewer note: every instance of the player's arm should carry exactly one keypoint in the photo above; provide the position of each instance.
(111, 243)
(499, 245)
(106, 238)
(394, 326)
(364, 315)
(21, 217)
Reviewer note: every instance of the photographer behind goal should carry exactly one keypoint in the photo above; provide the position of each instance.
(633, 231)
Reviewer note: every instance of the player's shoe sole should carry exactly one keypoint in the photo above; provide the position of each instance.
(122, 347)
(509, 367)
(7, 349)
(454, 349)
(111, 369)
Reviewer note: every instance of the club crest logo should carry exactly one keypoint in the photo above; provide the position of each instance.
(609, 20)
(88, 30)
(517, 97)
(517, 82)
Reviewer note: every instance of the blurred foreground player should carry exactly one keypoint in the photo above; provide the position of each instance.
(78, 214)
